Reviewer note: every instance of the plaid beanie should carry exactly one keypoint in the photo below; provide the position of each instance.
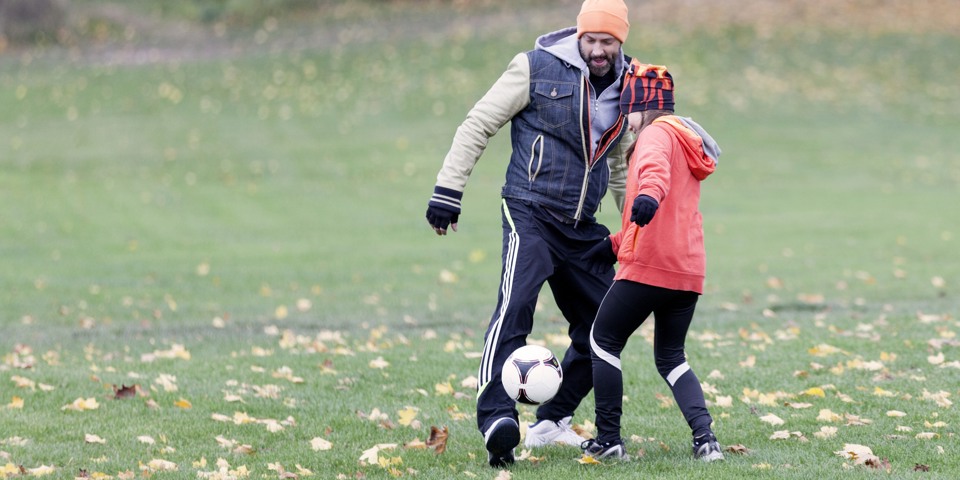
(604, 16)
(646, 87)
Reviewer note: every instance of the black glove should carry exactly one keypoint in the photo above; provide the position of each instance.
(443, 209)
(441, 218)
(644, 208)
(600, 258)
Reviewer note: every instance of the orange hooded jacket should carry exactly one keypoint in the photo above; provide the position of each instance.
(668, 164)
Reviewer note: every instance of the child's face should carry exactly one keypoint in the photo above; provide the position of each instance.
(635, 122)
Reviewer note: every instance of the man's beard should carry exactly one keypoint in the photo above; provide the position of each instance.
(599, 70)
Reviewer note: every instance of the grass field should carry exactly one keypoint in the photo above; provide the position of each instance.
(235, 226)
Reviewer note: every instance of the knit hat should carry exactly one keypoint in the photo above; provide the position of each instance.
(646, 87)
(604, 16)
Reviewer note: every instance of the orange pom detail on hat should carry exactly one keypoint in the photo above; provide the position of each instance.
(604, 16)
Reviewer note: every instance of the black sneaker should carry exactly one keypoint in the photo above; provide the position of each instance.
(597, 450)
(500, 439)
(706, 448)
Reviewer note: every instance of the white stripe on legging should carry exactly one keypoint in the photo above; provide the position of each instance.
(493, 339)
(677, 372)
(603, 354)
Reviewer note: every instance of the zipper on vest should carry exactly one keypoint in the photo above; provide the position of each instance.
(585, 141)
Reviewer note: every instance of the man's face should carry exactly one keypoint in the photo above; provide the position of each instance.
(600, 51)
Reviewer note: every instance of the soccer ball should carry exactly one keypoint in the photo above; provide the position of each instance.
(532, 375)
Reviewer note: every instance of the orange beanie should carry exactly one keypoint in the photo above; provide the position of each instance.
(604, 16)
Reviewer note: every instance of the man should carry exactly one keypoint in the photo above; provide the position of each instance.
(562, 100)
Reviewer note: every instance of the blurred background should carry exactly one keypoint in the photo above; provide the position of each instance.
(185, 159)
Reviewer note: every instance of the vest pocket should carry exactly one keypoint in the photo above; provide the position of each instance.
(536, 159)
(553, 103)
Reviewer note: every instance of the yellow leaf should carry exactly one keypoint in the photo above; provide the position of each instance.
(823, 350)
(814, 392)
(883, 393)
(16, 402)
(9, 470)
(827, 415)
(443, 388)
(406, 416)
(159, 465)
(896, 413)
(41, 471)
(183, 403)
(82, 404)
(588, 460)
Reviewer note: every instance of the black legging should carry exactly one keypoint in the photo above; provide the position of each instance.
(625, 307)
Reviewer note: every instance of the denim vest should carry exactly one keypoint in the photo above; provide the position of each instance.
(551, 163)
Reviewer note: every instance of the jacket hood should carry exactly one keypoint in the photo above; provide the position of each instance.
(701, 150)
(565, 45)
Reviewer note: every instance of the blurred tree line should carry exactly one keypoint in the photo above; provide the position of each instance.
(45, 21)
(27, 21)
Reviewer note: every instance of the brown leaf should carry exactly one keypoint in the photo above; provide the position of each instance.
(738, 449)
(438, 439)
(125, 391)
(921, 468)
(83, 474)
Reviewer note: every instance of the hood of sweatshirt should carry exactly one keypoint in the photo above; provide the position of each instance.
(565, 45)
(701, 150)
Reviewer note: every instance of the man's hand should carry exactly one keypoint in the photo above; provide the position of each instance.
(600, 258)
(644, 208)
(440, 218)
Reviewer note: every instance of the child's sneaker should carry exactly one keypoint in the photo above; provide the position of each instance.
(597, 450)
(548, 432)
(706, 448)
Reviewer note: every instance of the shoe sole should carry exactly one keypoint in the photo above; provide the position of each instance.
(502, 437)
(712, 457)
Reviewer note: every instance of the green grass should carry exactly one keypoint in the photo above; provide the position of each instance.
(193, 200)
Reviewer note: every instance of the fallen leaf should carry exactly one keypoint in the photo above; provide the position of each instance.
(827, 415)
(588, 460)
(772, 419)
(407, 415)
(438, 439)
(860, 454)
(826, 432)
(90, 438)
(379, 363)
(81, 404)
(183, 403)
(41, 470)
(159, 465)
(738, 449)
(318, 444)
(125, 391)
